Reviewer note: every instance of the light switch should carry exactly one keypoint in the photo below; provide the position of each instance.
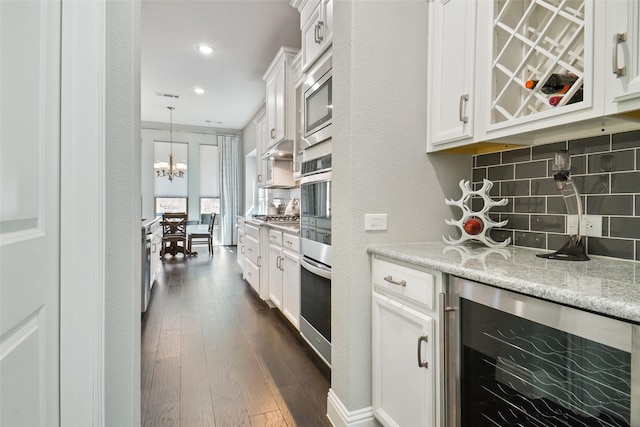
(375, 222)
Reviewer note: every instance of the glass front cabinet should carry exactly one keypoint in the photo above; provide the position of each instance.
(539, 65)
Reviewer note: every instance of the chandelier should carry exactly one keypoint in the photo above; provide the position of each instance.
(170, 170)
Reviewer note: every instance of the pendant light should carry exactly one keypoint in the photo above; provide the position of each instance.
(170, 170)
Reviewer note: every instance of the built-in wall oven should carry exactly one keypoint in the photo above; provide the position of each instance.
(515, 360)
(315, 260)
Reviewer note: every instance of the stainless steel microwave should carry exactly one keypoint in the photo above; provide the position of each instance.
(318, 104)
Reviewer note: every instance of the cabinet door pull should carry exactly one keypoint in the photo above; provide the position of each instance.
(319, 35)
(422, 363)
(273, 133)
(259, 262)
(395, 282)
(463, 102)
(242, 249)
(617, 39)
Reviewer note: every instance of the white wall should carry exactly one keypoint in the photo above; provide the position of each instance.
(379, 166)
(194, 138)
(122, 216)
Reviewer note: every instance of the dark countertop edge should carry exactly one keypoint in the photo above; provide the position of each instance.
(600, 305)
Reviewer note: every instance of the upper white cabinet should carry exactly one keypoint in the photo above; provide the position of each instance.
(623, 77)
(490, 64)
(452, 56)
(261, 140)
(280, 101)
(316, 26)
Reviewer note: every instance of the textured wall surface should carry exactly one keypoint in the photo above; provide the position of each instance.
(606, 172)
(123, 258)
(379, 166)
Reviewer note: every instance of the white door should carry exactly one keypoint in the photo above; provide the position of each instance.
(29, 212)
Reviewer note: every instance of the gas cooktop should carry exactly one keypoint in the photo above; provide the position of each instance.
(278, 219)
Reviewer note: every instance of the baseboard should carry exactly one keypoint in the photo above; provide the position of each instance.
(341, 417)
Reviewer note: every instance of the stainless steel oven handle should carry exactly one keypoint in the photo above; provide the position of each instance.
(445, 373)
(315, 268)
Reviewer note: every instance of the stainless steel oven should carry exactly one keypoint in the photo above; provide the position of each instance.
(318, 104)
(315, 260)
(515, 360)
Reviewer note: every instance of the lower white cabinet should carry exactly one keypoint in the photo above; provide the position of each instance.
(156, 245)
(252, 258)
(284, 274)
(406, 367)
(291, 282)
(275, 268)
(240, 246)
(403, 390)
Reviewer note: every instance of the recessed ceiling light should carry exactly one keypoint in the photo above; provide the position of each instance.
(205, 49)
(198, 90)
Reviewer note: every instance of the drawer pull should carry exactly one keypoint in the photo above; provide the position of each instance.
(395, 282)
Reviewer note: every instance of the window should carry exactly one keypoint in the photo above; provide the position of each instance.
(170, 204)
(209, 181)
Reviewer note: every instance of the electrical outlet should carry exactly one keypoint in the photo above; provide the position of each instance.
(591, 225)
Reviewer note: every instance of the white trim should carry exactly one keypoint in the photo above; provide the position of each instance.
(82, 254)
(340, 416)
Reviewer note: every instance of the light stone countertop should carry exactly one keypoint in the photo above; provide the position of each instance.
(602, 285)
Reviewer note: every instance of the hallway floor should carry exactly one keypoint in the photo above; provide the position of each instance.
(214, 354)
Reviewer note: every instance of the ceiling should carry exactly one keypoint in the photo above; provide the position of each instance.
(245, 36)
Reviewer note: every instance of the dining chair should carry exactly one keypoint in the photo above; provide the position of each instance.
(174, 234)
(202, 238)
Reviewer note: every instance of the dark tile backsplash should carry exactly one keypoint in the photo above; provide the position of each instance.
(606, 172)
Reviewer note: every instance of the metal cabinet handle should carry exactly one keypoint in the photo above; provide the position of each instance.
(273, 237)
(422, 363)
(617, 39)
(319, 32)
(259, 261)
(395, 282)
(249, 274)
(259, 177)
(242, 249)
(273, 133)
(463, 101)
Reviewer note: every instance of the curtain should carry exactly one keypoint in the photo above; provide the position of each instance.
(229, 187)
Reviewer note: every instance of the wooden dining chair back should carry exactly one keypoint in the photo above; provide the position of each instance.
(203, 237)
(174, 233)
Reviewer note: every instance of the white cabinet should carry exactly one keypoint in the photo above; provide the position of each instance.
(291, 278)
(316, 26)
(275, 267)
(406, 369)
(252, 259)
(156, 245)
(483, 54)
(451, 73)
(284, 274)
(261, 174)
(240, 246)
(623, 76)
(280, 108)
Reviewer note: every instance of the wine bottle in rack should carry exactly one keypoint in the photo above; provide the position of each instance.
(556, 83)
(555, 100)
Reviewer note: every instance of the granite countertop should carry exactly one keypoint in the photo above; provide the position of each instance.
(602, 285)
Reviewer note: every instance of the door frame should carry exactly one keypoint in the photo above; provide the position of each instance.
(100, 272)
(82, 204)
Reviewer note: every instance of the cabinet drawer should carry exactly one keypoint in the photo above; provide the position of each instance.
(252, 249)
(252, 275)
(252, 230)
(415, 285)
(275, 237)
(291, 242)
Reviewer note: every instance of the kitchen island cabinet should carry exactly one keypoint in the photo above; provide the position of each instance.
(284, 273)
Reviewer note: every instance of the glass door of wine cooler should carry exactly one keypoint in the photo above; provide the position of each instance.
(527, 362)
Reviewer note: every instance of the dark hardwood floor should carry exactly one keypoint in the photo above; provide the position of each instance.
(214, 354)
